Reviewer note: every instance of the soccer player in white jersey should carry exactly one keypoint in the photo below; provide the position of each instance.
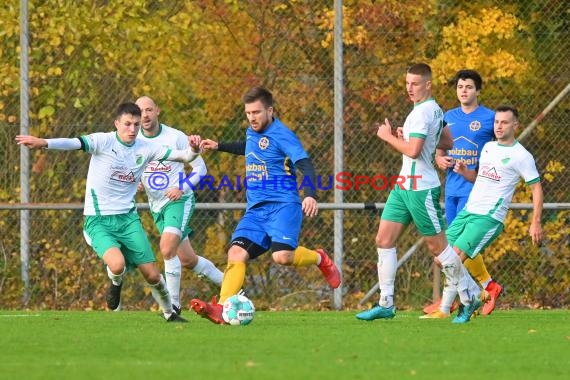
(171, 206)
(501, 166)
(417, 199)
(471, 126)
(112, 226)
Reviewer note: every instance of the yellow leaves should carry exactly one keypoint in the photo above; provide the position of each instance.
(354, 33)
(69, 49)
(280, 7)
(487, 41)
(551, 169)
(46, 112)
(54, 71)
(548, 177)
(55, 41)
(472, 28)
(554, 166)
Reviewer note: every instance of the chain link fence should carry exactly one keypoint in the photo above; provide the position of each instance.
(197, 58)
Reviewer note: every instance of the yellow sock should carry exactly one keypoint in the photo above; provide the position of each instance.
(234, 277)
(305, 257)
(477, 269)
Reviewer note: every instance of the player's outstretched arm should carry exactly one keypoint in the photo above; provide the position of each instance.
(208, 144)
(535, 229)
(199, 171)
(33, 142)
(195, 142)
(187, 155)
(234, 147)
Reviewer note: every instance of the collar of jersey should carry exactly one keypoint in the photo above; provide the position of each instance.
(152, 137)
(427, 100)
(122, 142)
(508, 146)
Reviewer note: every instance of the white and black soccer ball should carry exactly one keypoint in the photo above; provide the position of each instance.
(238, 310)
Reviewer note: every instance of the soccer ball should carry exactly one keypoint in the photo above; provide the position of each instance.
(238, 310)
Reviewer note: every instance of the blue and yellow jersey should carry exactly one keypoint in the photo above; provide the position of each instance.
(269, 164)
(470, 133)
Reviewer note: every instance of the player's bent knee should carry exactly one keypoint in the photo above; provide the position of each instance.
(114, 260)
(152, 278)
(384, 242)
(237, 253)
(150, 272)
(283, 257)
(437, 243)
(188, 260)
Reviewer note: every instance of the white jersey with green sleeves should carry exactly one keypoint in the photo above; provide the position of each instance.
(425, 122)
(169, 138)
(500, 169)
(114, 172)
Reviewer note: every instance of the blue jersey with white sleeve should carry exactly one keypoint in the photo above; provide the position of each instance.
(269, 164)
(470, 131)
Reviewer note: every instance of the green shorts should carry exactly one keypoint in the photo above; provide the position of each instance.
(472, 233)
(175, 216)
(123, 231)
(422, 207)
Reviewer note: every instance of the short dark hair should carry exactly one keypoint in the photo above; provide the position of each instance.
(258, 93)
(422, 69)
(469, 74)
(507, 108)
(128, 108)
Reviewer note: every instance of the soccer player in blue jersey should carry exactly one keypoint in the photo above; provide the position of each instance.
(274, 212)
(471, 126)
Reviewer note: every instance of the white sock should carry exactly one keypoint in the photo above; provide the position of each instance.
(162, 297)
(451, 267)
(116, 279)
(467, 287)
(387, 266)
(207, 268)
(447, 297)
(172, 273)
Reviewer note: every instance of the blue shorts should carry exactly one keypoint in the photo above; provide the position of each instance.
(271, 222)
(454, 205)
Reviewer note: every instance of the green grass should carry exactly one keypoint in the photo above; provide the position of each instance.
(283, 345)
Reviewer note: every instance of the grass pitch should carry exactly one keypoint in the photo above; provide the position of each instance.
(283, 345)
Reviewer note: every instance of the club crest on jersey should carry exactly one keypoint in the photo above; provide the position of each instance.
(139, 159)
(263, 143)
(505, 160)
(475, 125)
